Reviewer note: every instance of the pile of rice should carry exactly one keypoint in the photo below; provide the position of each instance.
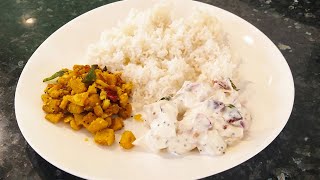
(159, 52)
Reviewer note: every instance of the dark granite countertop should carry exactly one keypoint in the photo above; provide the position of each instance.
(293, 25)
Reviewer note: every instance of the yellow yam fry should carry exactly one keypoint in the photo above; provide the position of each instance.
(105, 104)
(104, 74)
(127, 138)
(117, 123)
(48, 87)
(77, 85)
(127, 87)
(103, 94)
(119, 79)
(88, 118)
(113, 109)
(68, 118)
(98, 73)
(52, 106)
(77, 68)
(123, 99)
(81, 69)
(108, 119)
(111, 79)
(74, 125)
(88, 108)
(78, 119)
(105, 137)
(45, 98)
(98, 110)
(92, 89)
(119, 91)
(126, 111)
(75, 109)
(63, 80)
(66, 91)
(101, 106)
(54, 92)
(97, 125)
(93, 100)
(54, 118)
(79, 99)
(64, 102)
(113, 88)
(101, 83)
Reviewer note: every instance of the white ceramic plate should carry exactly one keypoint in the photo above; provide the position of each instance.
(270, 104)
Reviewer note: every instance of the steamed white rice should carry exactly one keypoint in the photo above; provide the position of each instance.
(159, 52)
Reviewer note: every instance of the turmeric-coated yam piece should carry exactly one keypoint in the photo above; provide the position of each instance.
(97, 125)
(105, 104)
(52, 106)
(111, 79)
(113, 109)
(101, 83)
(98, 110)
(92, 89)
(74, 125)
(93, 100)
(127, 87)
(124, 99)
(55, 91)
(54, 118)
(88, 118)
(78, 119)
(64, 102)
(45, 98)
(77, 85)
(125, 112)
(79, 99)
(80, 69)
(75, 109)
(117, 123)
(64, 80)
(68, 118)
(105, 137)
(127, 139)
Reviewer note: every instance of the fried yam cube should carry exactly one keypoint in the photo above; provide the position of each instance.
(105, 137)
(127, 139)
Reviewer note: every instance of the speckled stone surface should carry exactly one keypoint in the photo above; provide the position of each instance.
(293, 25)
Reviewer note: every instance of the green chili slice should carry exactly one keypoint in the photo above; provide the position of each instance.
(91, 76)
(55, 75)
